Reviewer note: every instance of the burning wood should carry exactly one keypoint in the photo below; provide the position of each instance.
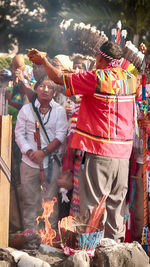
(30, 239)
(47, 234)
(95, 218)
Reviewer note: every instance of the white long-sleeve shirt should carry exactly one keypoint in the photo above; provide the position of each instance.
(56, 127)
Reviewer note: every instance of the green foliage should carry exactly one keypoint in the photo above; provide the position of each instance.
(5, 62)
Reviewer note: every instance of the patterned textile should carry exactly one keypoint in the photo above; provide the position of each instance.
(18, 98)
(111, 81)
(116, 81)
(70, 251)
(75, 202)
(105, 124)
(28, 73)
(12, 110)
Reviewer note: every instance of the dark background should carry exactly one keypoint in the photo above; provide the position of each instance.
(36, 23)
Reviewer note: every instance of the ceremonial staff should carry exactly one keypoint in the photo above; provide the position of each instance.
(145, 233)
(38, 141)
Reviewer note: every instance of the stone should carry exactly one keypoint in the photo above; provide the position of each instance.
(32, 262)
(5, 264)
(107, 242)
(46, 249)
(79, 259)
(6, 259)
(122, 255)
(17, 254)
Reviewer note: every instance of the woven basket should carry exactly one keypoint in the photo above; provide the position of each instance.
(75, 236)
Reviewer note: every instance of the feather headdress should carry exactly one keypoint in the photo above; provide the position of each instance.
(81, 38)
(117, 35)
(131, 54)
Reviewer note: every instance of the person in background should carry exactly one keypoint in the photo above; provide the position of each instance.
(134, 223)
(73, 158)
(27, 88)
(144, 123)
(16, 97)
(5, 73)
(5, 80)
(63, 63)
(138, 144)
(53, 117)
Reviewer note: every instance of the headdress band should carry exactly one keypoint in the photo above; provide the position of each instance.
(113, 62)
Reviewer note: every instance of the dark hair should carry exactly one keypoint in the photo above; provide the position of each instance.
(44, 77)
(112, 49)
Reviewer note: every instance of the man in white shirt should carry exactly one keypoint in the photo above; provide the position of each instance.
(54, 119)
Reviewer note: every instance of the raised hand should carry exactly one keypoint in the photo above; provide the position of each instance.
(19, 75)
(36, 56)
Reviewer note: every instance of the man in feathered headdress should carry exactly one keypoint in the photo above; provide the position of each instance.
(104, 130)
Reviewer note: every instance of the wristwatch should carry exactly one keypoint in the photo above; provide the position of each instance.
(45, 151)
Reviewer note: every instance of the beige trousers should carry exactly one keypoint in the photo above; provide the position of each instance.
(105, 176)
(32, 194)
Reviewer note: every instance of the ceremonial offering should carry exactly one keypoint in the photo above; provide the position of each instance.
(36, 56)
(33, 51)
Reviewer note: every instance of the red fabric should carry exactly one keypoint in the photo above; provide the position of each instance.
(80, 83)
(110, 121)
(105, 122)
(129, 229)
(68, 160)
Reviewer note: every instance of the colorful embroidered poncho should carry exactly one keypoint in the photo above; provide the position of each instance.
(106, 116)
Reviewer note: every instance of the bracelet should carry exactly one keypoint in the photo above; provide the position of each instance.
(28, 152)
(45, 151)
(25, 81)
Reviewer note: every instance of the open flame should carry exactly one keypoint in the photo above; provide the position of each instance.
(47, 234)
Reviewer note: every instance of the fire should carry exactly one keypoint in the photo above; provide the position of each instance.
(47, 234)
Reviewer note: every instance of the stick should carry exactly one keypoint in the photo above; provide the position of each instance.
(96, 215)
(38, 141)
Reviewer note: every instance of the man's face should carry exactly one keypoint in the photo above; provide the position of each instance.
(45, 91)
(79, 65)
(57, 64)
(98, 61)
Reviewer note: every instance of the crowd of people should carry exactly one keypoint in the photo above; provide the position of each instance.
(87, 125)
